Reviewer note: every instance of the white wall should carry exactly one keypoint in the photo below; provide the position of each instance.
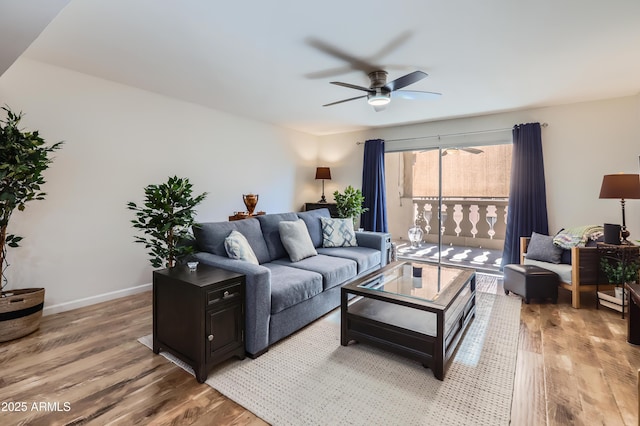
(79, 241)
(583, 142)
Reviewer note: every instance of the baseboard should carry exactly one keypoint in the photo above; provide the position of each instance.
(87, 301)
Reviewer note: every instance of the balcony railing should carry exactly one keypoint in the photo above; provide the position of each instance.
(466, 222)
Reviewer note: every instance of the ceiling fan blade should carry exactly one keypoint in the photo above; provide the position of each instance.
(415, 94)
(356, 63)
(332, 72)
(406, 80)
(394, 44)
(353, 86)
(472, 150)
(345, 100)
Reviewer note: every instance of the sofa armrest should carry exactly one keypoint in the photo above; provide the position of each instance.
(376, 240)
(585, 263)
(257, 298)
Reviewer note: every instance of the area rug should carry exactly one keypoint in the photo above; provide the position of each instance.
(310, 379)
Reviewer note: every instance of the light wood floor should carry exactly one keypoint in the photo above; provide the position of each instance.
(574, 368)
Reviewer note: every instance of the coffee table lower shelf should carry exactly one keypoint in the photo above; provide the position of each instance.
(408, 331)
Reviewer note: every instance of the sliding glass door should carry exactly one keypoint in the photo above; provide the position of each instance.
(449, 204)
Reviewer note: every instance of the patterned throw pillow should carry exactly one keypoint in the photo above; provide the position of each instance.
(238, 248)
(338, 233)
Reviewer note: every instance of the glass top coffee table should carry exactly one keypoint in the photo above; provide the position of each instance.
(419, 310)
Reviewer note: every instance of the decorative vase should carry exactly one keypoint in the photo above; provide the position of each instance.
(415, 235)
(20, 312)
(250, 200)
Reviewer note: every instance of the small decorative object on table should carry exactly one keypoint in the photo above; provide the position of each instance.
(417, 270)
(192, 266)
(415, 236)
(250, 200)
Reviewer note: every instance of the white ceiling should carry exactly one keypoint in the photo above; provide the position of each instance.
(257, 59)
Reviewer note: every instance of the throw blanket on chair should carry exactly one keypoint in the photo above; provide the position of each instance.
(577, 237)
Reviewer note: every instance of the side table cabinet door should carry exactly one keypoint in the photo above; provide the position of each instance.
(224, 330)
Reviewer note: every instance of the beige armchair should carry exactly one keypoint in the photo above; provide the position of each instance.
(581, 276)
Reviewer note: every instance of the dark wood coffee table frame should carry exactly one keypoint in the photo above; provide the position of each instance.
(361, 321)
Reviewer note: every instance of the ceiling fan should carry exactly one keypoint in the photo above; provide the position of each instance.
(379, 93)
(456, 150)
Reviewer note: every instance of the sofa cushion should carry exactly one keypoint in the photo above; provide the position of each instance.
(269, 223)
(290, 286)
(334, 270)
(296, 240)
(210, 237)
(238, 248)
(541, 248)
(312, 220)
(338, 233)
(563, 270)
(365, 257)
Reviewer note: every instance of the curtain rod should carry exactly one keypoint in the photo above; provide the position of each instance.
(451, 134)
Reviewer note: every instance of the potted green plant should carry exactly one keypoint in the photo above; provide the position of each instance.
(349, 204)
(166, 219)
(619, 271)
(24, 156)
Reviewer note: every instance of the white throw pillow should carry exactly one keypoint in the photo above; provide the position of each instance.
(338, 233)
(238, 248)
(296, 240)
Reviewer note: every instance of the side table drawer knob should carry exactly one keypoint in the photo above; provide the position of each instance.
(226, 294)
(210, 337)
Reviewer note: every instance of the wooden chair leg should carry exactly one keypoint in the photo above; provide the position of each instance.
(575, 298)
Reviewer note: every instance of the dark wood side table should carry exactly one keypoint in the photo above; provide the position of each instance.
(333, 207)
(198, 316)
(633, 323)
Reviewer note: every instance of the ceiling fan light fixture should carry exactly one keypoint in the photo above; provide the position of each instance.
(379, 99)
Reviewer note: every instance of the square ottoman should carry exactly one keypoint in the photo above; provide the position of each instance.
(531, 282)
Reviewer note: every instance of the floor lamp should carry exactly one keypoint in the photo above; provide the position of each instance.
(323, 173)
(621, 186)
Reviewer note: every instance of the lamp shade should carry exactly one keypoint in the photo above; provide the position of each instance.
(621, 186)
(323, 173)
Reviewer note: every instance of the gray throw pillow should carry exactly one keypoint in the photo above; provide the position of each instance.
(296, 240)
(338, 233)
(541, 248)
(238, 248)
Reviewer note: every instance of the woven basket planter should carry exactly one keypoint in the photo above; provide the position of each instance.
(20, 312)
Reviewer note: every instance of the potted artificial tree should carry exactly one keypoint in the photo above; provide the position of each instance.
(24, 156)
(166, 219)
(349, 204)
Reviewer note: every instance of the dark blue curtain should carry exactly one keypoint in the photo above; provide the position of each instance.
(527, 194)
(373, 188)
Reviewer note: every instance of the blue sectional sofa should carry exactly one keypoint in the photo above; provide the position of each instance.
(283, 296)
